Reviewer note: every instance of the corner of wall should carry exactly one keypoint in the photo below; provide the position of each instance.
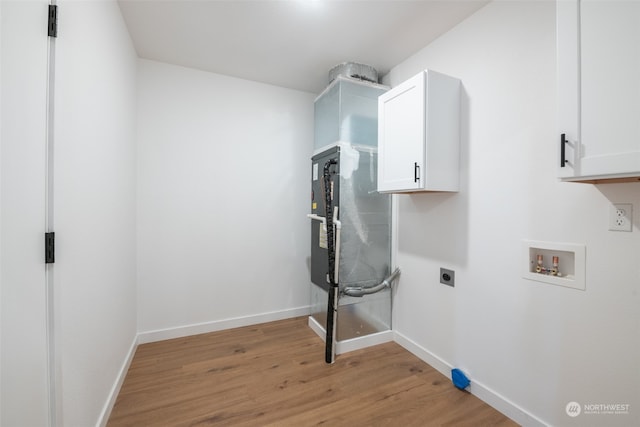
(117, 384)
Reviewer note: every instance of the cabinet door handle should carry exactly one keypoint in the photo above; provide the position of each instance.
(416, 172)
(563, 143)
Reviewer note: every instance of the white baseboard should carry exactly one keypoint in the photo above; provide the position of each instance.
(219, 325)
(482, 392)
(354, 343)
(117, 385)
(421, 353)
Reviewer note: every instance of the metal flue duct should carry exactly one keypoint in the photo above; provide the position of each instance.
(354, 71)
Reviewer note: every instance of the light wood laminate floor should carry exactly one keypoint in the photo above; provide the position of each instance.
(274, 374)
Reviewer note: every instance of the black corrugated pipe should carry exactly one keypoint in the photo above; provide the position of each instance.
(332, 304)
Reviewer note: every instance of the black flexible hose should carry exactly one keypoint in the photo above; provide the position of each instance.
(331, 250)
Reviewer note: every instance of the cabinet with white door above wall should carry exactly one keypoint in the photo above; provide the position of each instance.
(598, 59)
(419, 135)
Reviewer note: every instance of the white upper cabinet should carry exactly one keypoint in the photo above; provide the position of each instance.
(419, 135)
(599, 90)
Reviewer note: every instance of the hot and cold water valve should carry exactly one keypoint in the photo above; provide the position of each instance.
(552, 270)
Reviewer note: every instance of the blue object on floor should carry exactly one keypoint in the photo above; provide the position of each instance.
(459, 379)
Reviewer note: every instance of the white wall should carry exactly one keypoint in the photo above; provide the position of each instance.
(536, 345)
(95, 268)
(223, 188)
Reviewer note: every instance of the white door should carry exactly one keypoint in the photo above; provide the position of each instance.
(24, 386)
(401, 136)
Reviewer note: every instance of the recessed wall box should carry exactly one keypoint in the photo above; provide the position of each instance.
(561, 264)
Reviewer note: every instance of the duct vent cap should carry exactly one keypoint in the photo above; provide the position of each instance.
(354, 71)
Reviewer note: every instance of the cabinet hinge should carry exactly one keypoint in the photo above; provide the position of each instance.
(53, 21)
(49, 248)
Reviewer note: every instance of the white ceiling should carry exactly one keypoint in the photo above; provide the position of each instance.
(291, 43)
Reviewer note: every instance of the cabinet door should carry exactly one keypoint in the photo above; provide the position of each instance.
(401, 121)
(568, 75)
(610, 87)
(599, 88)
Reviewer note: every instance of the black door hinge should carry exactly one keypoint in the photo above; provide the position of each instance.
(49, 248)
(53, 21)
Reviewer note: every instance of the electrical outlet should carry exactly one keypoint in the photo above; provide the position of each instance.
(621, 217)
(447, 277)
